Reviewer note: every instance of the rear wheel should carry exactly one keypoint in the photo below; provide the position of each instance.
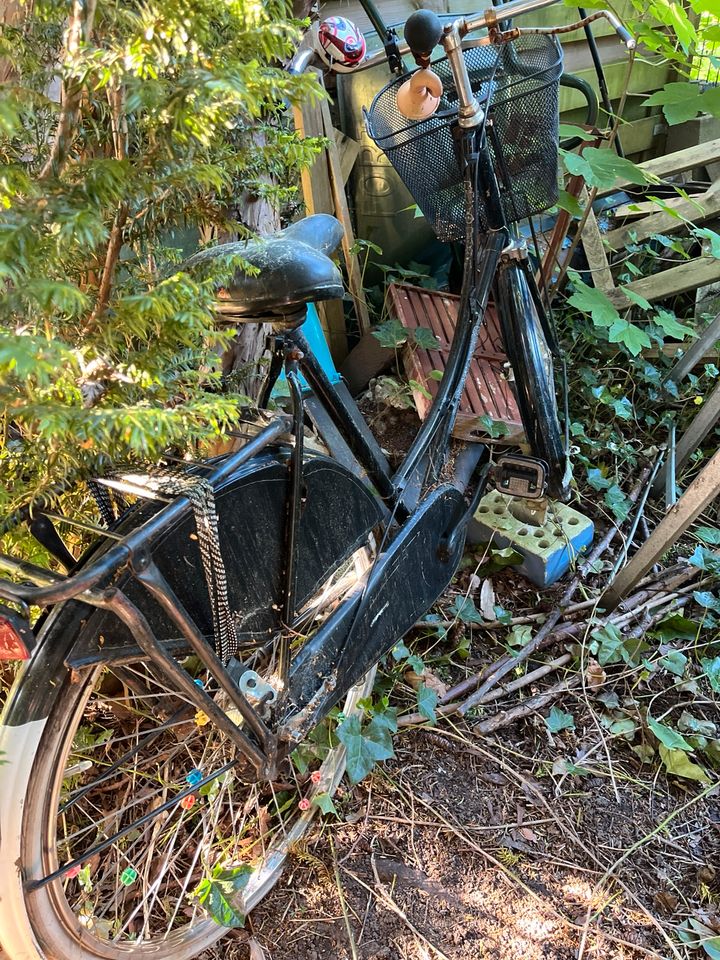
(158, 876)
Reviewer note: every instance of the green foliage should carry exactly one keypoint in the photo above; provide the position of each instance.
(216, 891)
(367, 743)
(392, 334)
(465, 610)
(324, 802)
(172, 113)
(602, 167)
(558, 720)
(426, 702)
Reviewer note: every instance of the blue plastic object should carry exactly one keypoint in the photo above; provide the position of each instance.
(547, 550)
(316, 338)
(194, 777)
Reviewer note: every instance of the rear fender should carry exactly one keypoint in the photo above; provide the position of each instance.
(337, 515)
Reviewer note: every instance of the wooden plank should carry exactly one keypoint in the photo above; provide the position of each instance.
(678, 162)
(696, 352)
(314, 179)
(318, 198)
(687, 276)
(697, 210)
(594, 248)
(342, 212)
(700, 426)
(348, 150)
(698, 496)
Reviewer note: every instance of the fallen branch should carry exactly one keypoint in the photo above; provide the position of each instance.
(415, 718)
(504, 667)
(528, 707)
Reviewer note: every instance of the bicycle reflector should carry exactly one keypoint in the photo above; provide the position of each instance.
(17, 640)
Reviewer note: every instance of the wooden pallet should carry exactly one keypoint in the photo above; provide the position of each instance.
(686, 276)
(488, 392)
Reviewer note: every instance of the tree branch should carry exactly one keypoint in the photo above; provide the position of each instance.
(78, 31)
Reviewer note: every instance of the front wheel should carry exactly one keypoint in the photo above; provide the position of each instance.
(159, 877)
(532, 364)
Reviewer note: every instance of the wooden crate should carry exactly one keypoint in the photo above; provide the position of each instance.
(488, 392)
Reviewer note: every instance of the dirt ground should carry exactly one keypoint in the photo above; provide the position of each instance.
(469, 848)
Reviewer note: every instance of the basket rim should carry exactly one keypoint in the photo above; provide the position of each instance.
(447, 116)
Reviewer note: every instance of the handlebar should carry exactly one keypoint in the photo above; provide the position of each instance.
(424, 30)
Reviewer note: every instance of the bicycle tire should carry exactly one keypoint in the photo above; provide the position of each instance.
(534, 382)
(98, 916)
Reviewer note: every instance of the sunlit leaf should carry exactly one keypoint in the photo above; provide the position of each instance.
(678, 763)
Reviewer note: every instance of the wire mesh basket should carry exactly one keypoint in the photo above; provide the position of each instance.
(519, 81)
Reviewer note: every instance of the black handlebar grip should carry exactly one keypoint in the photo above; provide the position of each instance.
(423, 31)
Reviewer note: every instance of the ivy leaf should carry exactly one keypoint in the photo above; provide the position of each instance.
(596, 479)
(637, 299)
(593, 302)
(690, 724)
(607, 644)
(678, 763)
(425, 338)
(324, 802)
(570, 204)
(629, 335)
(667, 736)
(390, 334)
(706, 234)
(625, 727)
(572, 130)
(493, 428)
(670, 325)
(705, 560)
(617, 501)
(216, 893)
(365, 747)
(558, 720)
(711, 669)
(623, 408)
(426, 702)
(501, 614)
(519, 636)
(465, 610)
(676, 627)
(675, 661)
(400, 651)
(709, 535)
(706, 599)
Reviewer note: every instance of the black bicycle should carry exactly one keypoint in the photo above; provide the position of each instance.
(173, 727)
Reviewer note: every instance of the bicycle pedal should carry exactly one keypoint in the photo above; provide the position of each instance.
(518, 476)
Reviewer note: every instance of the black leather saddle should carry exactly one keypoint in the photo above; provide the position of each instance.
(293, 269)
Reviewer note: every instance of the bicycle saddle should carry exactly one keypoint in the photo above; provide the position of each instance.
(294, 269)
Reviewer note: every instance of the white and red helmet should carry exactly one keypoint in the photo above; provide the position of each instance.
(340, 45)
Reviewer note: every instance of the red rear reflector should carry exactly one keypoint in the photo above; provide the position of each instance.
(16, 637)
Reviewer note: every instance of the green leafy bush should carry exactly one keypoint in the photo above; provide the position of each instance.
(171, 114)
